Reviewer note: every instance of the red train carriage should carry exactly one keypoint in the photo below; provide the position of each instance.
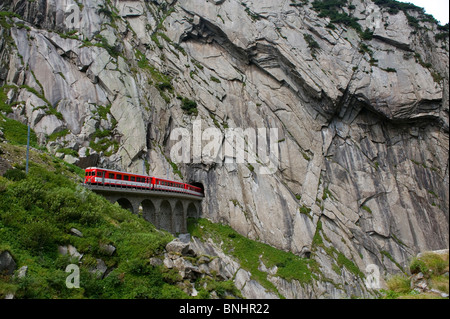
(106, 177)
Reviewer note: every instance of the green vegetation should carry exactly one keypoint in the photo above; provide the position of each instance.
(104, 142)
(57, 135)
(175, 169)
(68, 151)
(161, 81)
(102, 42)
(327, 194)
(15, 175)
(4, 107)
(333, 10)
(443, 33)
(189, 106)
(312, 44)
(6, 19)
(367, 209)
(432, 266)
(214, 79)
(341, 261)
(251, 253)
(16, 133)
(305, 210)
(367, 35)
(36, 214)
(395, 7)
(253, 15)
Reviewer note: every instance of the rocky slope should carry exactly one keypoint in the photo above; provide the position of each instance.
(358, 92)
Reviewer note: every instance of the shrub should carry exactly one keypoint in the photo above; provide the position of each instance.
(312, 44)
(189, 106)
(399, 284)
(330, 9)
(417, 266)
(38, 236)
(15, 175)
(434, 262)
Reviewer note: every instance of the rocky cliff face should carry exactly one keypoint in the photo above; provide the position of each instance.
(361, 105)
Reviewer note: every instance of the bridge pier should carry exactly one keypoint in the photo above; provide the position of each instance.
(167, 211)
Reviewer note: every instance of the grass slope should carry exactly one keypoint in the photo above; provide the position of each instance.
(36, 215)
(250, 254)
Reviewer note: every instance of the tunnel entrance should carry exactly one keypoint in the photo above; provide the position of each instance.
(199, 185)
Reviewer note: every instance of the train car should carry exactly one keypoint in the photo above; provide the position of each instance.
(193, 190)
(106, 177)
(168, 185)
(178, 187)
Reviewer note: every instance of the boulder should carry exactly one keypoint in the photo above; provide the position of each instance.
(185, 238)
(99, 269)
(178, 247)
(155, 261)
(22, 272)
(71, 250)
(7, 263)
(76, 232)
(107, 249)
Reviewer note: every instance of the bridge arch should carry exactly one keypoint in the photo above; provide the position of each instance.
(179, 219)
(192, 211)
(125, 204)
(164, 210)
(165, 220)
(149, 211)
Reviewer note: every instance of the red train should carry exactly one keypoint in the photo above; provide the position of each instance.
(107, 177)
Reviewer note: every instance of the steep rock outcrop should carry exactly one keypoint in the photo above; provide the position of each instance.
(362, 117)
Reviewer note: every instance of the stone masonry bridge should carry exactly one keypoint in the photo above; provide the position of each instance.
(166, 210)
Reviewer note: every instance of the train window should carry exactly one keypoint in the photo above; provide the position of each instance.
(118, 176)
(99, 174)
(133, 179)
(125, 177)
(139, 179)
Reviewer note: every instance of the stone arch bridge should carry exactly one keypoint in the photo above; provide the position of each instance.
(166, 210)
